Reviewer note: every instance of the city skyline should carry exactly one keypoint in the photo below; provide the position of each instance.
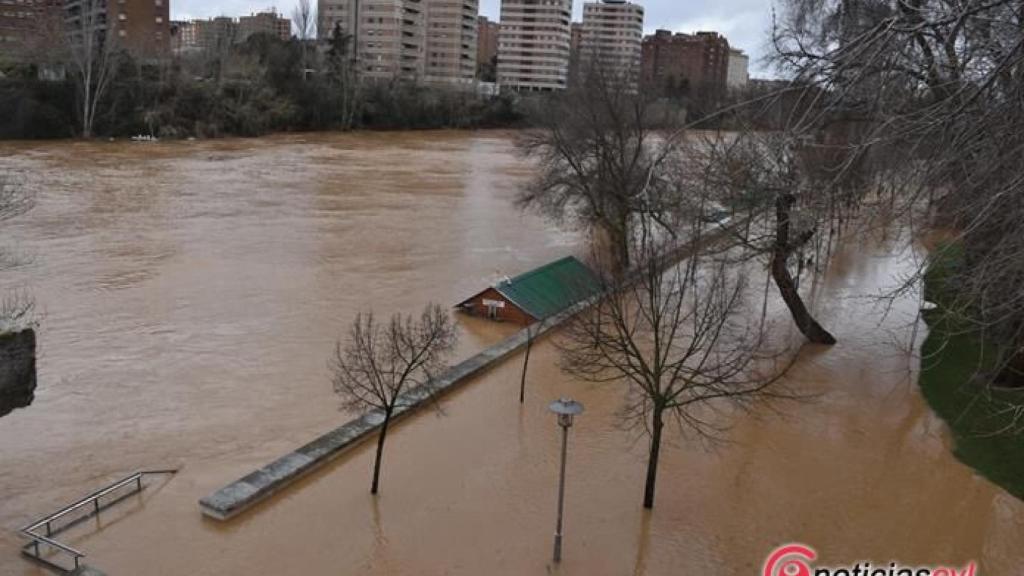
(745, 23)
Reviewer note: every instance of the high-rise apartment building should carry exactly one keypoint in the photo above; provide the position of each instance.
(611, 38)
(534, 47)
(264, 23)
(386, 36)
(450, 42)
(690, 63)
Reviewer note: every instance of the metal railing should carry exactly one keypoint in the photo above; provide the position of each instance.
(36, 540)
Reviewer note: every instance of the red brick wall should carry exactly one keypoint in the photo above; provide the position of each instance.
(510, 313)
(702, 59)
(143, 26)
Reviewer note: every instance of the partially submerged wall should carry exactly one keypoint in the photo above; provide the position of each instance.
(245, 492)
(17, 370)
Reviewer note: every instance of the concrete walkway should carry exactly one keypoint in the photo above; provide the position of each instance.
(245, 492)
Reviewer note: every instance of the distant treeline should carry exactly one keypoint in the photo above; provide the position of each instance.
(260, 86)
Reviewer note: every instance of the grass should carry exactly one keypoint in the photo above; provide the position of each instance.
(987, 434)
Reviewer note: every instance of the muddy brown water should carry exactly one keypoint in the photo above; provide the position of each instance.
(190, 294)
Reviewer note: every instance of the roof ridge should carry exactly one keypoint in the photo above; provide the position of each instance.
(537, 270)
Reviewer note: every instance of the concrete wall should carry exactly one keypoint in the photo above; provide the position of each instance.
(17, 370)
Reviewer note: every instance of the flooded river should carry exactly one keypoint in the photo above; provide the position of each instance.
(189, 297)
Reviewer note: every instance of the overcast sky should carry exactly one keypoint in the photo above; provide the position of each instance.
(744, 22)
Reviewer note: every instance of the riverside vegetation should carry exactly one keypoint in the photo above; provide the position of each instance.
(258, 86)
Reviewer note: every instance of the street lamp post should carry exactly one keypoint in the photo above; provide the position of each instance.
(566, 408)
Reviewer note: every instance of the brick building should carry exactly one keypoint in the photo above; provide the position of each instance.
(141, 27)
(686, 64)
(486, 45)
(24, 24)
(264, 22)
(200, 35)
(535, 295)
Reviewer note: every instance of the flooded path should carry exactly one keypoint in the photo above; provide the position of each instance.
(153, 354)
(190, 292)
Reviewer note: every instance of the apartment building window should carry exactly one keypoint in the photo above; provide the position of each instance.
(159, 20)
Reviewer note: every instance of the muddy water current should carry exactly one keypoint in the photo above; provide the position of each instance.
(189, 295)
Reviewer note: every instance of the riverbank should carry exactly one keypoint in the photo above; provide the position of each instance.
(985, 421)
(185, 108)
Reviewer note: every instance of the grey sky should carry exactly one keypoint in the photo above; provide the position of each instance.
(744, 22)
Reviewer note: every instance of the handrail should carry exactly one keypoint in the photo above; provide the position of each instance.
(50, 541)
(94, 499)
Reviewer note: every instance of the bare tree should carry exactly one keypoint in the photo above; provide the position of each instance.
(305, 19)
(344, 79)
(89, 43)
(936, 86)
(599, 158)
(379, 363)
(679, 337)
(781, 196)
(16, 308)
(532, 331)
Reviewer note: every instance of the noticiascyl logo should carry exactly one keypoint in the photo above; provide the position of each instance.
(795, 560)
(790, 560)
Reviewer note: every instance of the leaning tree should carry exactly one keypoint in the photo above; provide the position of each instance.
(937, 86)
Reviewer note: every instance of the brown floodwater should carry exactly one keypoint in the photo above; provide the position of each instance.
(190, 295)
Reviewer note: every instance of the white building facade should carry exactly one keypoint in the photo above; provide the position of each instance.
(611, 39)
(534, 45)
(737, 76)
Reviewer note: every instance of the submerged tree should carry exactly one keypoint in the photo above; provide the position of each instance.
(380, 364)
(680, 338)
(785, 203)
(600, 160)
(936, 86)
(15, 309)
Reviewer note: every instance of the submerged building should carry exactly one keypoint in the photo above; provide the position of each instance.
(535, 295)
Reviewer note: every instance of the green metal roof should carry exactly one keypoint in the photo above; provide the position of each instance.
(552, 288)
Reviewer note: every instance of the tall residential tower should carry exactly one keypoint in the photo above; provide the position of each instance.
(533, 51)
(611, 40)
(386, 36)
(451, 40)
(420, 40)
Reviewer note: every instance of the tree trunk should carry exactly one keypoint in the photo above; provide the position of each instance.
(784, 280)
(526, 362)
(380, 452)
(652, 459)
